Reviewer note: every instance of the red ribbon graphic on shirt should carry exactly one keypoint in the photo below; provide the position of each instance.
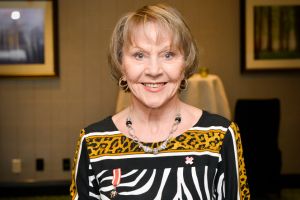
(115, 181)
(116, 177)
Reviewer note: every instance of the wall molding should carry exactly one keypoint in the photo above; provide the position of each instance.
(38, 188)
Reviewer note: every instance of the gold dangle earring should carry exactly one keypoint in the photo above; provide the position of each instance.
(183, 85)
(123, 84)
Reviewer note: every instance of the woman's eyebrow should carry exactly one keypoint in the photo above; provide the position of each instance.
(168, 48)
(138, 48)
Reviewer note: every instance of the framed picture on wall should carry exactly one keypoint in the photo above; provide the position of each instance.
(28, 38)
(270, 35)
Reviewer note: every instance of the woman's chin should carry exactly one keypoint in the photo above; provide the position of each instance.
(154, 100)
(153, 103)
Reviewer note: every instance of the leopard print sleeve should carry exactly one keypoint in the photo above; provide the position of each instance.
(83, 185)
(243, 184)
(232, 167)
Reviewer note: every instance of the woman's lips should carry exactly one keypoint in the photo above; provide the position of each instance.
(154, 87)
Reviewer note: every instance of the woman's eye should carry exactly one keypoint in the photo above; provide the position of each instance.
(139, 55)
(169, 55)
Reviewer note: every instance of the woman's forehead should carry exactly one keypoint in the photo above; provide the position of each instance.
(149, 32)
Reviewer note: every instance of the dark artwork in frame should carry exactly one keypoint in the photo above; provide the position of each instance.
(28, 38)
(22, 36)
(270, 35)
(277, 32)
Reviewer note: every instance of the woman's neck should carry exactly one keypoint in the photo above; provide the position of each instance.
(145, 114)
(152, 125)
(154, 121)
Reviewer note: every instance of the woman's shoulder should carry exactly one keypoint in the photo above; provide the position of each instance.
(209, 119)
(104, 125)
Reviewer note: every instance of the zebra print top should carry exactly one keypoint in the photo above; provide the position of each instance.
(205, 162)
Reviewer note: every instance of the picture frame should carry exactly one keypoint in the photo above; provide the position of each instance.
(270, 35)
(29, 38)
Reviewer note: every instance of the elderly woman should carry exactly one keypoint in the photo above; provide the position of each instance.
(158, 147)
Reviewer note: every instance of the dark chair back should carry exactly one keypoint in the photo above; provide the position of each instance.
(258, 120)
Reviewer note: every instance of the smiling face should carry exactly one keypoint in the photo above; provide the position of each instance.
(152, 67)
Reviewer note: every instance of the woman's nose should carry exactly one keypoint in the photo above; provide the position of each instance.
(154, 67)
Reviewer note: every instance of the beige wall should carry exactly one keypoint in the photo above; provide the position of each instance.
(41, 118)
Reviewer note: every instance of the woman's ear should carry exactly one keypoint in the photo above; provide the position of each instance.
(182, 77)
(122, 70)
(124, 77)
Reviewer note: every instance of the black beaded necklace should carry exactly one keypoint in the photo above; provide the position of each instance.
(148, 149)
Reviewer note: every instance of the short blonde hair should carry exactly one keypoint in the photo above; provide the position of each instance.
(167, 17)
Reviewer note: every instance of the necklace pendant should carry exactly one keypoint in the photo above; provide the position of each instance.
(155, 151)
(146, 149)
